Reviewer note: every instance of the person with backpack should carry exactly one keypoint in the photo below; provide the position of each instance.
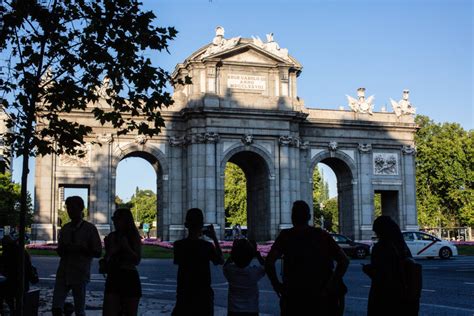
(396, 278)
(243, 278)
(310, 284)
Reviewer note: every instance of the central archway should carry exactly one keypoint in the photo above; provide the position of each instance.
(257, 174)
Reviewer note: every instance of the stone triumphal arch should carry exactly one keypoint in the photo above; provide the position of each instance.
(242, 107)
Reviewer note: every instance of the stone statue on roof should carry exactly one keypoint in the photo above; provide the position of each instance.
(220, 44)
(271, 46)
(361, 105)
(403, 106)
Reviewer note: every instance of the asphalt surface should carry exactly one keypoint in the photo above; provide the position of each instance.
(448, 285)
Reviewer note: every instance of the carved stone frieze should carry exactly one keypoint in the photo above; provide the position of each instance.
(202, 138)
(385, 163)
(82, 159)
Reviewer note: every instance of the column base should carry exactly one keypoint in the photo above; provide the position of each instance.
(176, 232)
(42, 233)
(104, 229)
(411, 227)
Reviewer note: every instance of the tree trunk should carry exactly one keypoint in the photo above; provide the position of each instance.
(23, 210)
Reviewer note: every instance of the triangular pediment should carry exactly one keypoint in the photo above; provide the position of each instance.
(245, 53)
(248, 54)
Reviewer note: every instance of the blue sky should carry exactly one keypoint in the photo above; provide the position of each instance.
(384, 46)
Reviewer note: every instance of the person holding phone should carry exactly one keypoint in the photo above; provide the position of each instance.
(194, 295)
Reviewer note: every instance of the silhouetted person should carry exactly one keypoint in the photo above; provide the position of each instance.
(385, 297)
(309, 279)
(122, 255)
(9, 268)
(78, 243)
(243, 278)
(237, 232)
(194, 295)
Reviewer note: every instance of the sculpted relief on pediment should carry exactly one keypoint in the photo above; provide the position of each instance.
(250, 56)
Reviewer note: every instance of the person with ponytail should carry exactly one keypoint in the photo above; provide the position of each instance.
(386, 296)
(122, 255)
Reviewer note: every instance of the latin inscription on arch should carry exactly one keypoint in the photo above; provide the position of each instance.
(246, 82)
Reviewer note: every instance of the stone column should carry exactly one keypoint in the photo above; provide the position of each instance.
(408, 166)
(176, 183)
(197, 172)
(366, 194)
(43, 228)
(295, 172)
(285, 193)
(211, 175)
(101, 193)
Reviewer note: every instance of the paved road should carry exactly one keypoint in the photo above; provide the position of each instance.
(448, 285)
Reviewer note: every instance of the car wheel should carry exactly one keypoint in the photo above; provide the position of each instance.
(445, 253)
(360, 253)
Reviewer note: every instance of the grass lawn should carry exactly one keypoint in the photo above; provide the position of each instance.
(156, 252)
(466, 250)
(147, 252)
(38, 252)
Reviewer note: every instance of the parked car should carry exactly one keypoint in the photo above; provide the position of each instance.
(353, 249)
(425, 245)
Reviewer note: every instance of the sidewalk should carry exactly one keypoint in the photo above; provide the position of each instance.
(148, 306)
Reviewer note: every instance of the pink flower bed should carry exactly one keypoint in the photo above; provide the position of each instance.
(463, 243)
(226, 246)
(43, 246)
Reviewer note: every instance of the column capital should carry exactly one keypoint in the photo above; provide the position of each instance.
(178, 141)
(365, 148)
(211, 137)
(408, 150)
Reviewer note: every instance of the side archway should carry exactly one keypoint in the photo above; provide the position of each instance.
(159, 163)
(345, 170)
